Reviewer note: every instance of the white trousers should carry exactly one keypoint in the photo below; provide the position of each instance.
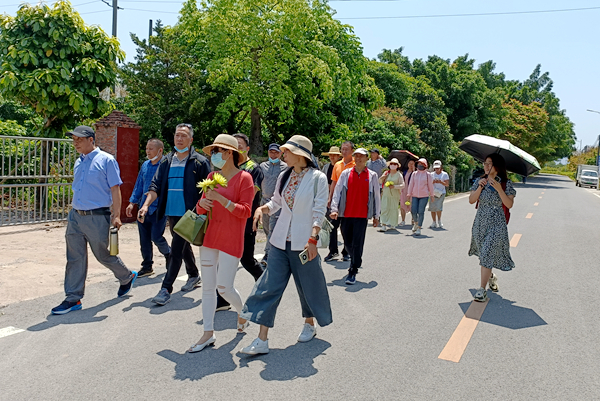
(220, 279)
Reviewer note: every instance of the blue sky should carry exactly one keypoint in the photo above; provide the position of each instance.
(564, 43)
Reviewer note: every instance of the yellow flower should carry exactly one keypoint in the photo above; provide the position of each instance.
(219, 180)
(389, 184)
(407, 203)
(205, 184)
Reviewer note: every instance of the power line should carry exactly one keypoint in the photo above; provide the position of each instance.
(95, 12)
(472, 15)
(151, 11)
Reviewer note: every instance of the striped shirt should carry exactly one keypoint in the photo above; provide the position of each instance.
(175, 201)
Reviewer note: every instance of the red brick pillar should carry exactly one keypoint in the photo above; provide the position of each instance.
(119, 135)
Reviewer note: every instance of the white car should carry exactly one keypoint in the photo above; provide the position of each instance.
(588, 178)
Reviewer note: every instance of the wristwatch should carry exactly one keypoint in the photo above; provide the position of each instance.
(315, 237)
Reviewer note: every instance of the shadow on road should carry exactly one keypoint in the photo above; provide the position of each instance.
(355, 287)
(289, 363)
(502, 312)
(178, 302)
(86, 315)
(207, 362)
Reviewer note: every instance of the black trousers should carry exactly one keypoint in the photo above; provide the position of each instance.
(354, 231)
(248, 261)
(181, 250)
(333, 237)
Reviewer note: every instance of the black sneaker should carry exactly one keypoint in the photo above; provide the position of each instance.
(125, 288)
(351, 279)
(66, 307)
(346, 258)
(330, 256)
(145, 272)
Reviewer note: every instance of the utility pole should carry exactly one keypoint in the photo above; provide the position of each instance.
(115, 8)
(149, 31)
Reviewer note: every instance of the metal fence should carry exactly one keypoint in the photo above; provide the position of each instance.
(35, 179)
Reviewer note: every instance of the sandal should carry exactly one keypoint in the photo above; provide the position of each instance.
(241, 327)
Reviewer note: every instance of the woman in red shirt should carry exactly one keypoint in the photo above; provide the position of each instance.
(224, 239)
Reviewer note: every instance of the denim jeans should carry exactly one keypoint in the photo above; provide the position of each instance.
(93, 230)
(262, 303)
(152, 230)
(418, 206)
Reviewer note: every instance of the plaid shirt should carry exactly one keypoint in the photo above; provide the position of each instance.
(142, 184)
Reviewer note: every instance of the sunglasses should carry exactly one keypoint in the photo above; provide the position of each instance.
(216, 150)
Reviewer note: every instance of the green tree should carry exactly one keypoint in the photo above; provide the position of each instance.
(54, 63)
(390, 129)
(289, 65)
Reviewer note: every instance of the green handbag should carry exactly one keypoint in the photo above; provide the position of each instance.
(192, 227)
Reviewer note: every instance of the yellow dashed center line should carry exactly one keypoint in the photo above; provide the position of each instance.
(529, 215)
(457, 344)
(515, 240)
(536, 203)
(540, 197)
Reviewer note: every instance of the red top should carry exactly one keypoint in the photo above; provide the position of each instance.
(226, 229)
(357, 196)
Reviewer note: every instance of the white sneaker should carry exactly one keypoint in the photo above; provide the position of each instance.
(308, 332)
(258, 346)
(440, 225)
(433, 225)
(418, 232)
(414, 228)
(402, 223)
(480, 295)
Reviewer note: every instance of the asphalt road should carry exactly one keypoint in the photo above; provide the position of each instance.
(537, 338)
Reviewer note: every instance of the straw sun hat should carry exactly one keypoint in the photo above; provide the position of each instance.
(223, 141)
(299, 145)
(334, 150)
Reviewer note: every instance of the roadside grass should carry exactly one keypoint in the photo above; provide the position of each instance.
(562, 170)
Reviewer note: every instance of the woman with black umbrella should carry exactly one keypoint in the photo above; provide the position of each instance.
(494, 195)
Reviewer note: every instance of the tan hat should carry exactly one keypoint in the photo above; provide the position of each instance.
(334, 150)
(299, 145)
(224, 141)
(394, 160)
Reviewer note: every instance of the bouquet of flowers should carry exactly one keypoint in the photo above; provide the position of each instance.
(211, 183)
(389, 184)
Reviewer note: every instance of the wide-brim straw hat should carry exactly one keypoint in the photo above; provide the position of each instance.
(224, 141)
(394, 160)
(299, 145)
(334, 150)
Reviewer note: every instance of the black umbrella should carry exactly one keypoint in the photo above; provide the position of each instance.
(403, 157)
(517, 160)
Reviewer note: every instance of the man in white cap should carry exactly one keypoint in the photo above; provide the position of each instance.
(441, 180)
(356, 198)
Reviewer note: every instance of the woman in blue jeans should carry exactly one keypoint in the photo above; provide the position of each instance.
(301, 194)
(420, 190)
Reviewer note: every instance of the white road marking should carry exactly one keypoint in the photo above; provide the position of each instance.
(9, 331)
(457, 197)
(592, 191)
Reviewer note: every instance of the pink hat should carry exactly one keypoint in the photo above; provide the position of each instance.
(423, 161)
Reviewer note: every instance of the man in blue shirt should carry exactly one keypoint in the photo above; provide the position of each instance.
(96, 187)
(150, 227)
(174, 184)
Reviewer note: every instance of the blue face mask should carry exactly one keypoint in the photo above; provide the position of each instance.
(273, 160)
(217, 160)
(182, 150)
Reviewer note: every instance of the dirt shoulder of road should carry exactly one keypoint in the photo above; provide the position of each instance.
(33, 258)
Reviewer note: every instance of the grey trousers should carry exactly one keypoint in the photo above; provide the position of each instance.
(268, 226)
(261, 305)
(94, 230)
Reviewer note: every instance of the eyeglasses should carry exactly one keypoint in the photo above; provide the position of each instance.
(187, 125)
(215, 150)
(489, 164)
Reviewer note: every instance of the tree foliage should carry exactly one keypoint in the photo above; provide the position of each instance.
(54, 63)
